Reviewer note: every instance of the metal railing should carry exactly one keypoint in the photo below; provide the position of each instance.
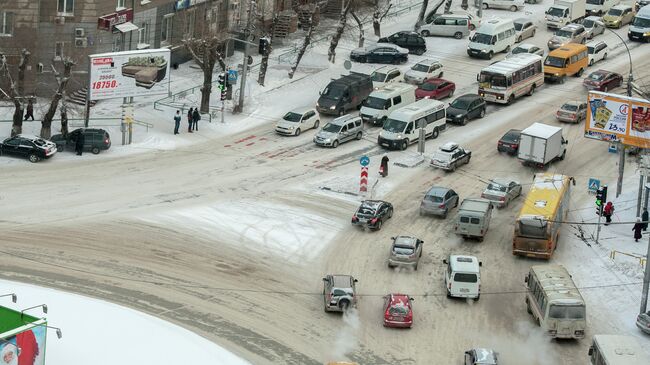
(79, 122)
(642, 259)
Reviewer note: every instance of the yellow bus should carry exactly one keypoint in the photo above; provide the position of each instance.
(537, 227)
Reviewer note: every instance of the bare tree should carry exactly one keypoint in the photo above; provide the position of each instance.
(24, 60)
(331, 53)
(62, 82)
(423, 10)
(64, 116)
(377, 17)
(305, 43)
(362, 37)
(448, 6)
(264, 64)
(206, 52)
(14, 96)
(464, 5)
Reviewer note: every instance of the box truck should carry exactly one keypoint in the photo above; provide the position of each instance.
(541, 144)
(563, 12)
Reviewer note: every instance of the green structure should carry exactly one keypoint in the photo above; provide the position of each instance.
(22, 338)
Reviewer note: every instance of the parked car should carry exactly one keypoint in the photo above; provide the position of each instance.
(593, 26)
(501, 191)
(572, 112)
(435, 89)
(512, 5)
(339, 292)
(570, 33)
(339, 130)
(525, 48)
(449, 156)
(509, 143)
(398, 311)
(380, 53)
(618, 16)
(463, 276)
(439, 201)
(298, 120)
(385, 75)
(480, 356)
(464, 108)
(424, 70)
(602, 80)
(345, 93)
(95, 140)
(372, 214)
(32, 147)
(405, 251)
(448, 25)
(597, 51)
(409, 40)
(643, 322)
(474, 20)
(524, 28)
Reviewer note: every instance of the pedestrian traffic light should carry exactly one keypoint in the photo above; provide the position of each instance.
(601, 196)
(222, 84)
(224, 92)
(263, 46)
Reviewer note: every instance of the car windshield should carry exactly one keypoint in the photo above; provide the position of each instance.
(441, 156)
(596, 76)
(564, 33)
(511, 137)
(566, 312)
(398, 310)
(394, 126)
(376, 103)
(339, 293)
(615, 12)
(39, 142)
(595, 2)
(519, 50)
(489, 79)
(465, 278)
(292, 117)
(378, 76)
(420, 67)
(555, 12)
(482, 38)
(588, 23)
(555, 61)
(332, 128)
(569, 107)
(434, 198)
(333, 92)
(366, 211)
(641, 22)
(403, 250)
(590, 49)
(428, 86)
(497, 187)
(461, 104)
(519, 26)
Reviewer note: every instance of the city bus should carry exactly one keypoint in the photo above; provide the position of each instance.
(504, 81)
(538, 225)
(554, 302)
(616, 350)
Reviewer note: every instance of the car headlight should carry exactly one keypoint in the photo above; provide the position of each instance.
(399, 136)
(327, 140)
(459, 115)
(557, 74)
(291, 128)
(333, 107)
(646, 34)
(484, 51)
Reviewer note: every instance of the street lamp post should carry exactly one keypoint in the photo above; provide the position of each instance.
(14, 298)
(44, 306)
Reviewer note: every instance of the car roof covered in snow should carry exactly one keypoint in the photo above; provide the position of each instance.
(406, 241)
(448, 147)
(302, 110)
(373, 204)
(463, 263)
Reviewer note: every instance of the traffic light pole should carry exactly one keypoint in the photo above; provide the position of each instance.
(600, 216)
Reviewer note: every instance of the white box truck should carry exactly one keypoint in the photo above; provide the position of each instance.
(541, 144)
(563, 12)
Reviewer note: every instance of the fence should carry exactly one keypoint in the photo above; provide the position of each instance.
(642, 259)
(79, 122)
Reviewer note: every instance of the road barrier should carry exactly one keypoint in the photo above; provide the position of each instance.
(642, 259)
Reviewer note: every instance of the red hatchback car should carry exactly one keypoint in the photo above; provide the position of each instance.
(435, 89)
(602, 80)
(398, 311)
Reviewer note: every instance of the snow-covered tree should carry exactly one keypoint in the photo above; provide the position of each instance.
(331, 53)
(305, 43)
(378, 15)
(206, 52)
(13, 95)
(362, 36)
(62, 83)
(265, 57)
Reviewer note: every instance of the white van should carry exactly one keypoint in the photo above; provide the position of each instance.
(463, 276)
(493, 36)
(403, 125)
(383, 101)
(640, 28)
(600, 7)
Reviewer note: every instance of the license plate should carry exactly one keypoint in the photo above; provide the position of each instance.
(464, 290)
(385, 144)
(363, 221)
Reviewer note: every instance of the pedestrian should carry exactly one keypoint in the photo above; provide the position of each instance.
(79, 144)
(196, 117)
(383, 167)
(644, 219)
(638, 227)
(177, 121)
(30, 110)
(607, 212)
(189, 120)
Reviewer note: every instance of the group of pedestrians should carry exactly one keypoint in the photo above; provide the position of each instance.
(193, 117)
(640, 226)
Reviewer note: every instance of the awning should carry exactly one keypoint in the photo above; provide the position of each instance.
(126, 27)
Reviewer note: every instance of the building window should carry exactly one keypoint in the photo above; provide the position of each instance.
(6, 23)
(66, 6)
(58, 51)
(143, 35)
(117, 43)
(190, 17)
(166, 30)
(121, 4)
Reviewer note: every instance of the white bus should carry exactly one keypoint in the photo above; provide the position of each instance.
(503, 81)
(554, 301)
(616, 350)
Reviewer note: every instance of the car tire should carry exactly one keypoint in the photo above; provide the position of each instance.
(390, 213)
(341, 112)
(563, 155)
(606, 88)
(444, 216)
(482, 113)
(33, 158)
(378, 226)
(435, 133)
(451, 93)
(420, 52)
(363, 59)
(458, 35)
(415, 267)
(440, 75)
(486, 6)
(404, 145)
(530, 311)
(604, 56)
(95, 150)
(511, 99)
(335, 144)
(453, 168)
(396, 61)
(448, 293)
(477, 298)
(421, 212)
(579, 73)
(519, 39)
(60, 148)
(490, 54)
(513, 8)
(533, 33)
(425, 33)
(472, 27)
(532, 90)
(464, 120)
(297, 132)
(359, 136)
(562, 79)
(507, 49)
(591, 62)
(316, 124)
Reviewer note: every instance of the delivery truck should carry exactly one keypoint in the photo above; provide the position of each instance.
(541, 144)
(563, 12)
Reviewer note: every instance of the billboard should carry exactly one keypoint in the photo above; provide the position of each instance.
(32, 348)
(618, 118)
(129, 73)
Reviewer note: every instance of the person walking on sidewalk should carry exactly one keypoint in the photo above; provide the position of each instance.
(638, 227)
(30, 110)
(189, 120)
(177, 121)
(383, 167)
(196, 117)
(607, 212)
(644, 219)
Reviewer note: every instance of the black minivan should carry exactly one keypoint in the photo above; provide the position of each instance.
(345, 93)
(95, 140)
(406, 39)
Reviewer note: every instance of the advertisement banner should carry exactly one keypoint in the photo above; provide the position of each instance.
(129, 73)
(32, 348)
(618, 118)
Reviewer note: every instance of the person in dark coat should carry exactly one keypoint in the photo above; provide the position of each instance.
(607, 212)
(189, 120)
(79, 144)
(383, 167)
(196, 117)
(30, 110)
(638, 227)
(177, 121)
(644, 219)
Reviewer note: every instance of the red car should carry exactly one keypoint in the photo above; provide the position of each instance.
(602, 80)
(398, 311)
(435, 89)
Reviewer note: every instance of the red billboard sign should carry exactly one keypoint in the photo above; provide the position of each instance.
(108, 22)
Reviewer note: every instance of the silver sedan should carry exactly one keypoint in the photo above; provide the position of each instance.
(501, 191)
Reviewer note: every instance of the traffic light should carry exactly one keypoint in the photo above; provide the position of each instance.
(601, 197)
(222, 85)
(263, 46)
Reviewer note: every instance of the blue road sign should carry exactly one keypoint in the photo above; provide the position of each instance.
(594, 184)
(364, 161)
(613, 148)
(232, 76)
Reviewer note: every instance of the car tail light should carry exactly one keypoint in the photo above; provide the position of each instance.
(503, 198)
(409, 317)
(481, 231)
(450, 286)
(373, 221)
(469, 25)
(500, 143)
(354, 218)
(579, 333)
(441, 206)
(107, 141)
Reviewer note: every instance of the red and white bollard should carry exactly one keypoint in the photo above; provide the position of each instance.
(363, 183)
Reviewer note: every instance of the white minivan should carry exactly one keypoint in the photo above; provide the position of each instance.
(494, 36)
(380, 103)
(403, 125)
(463, 276)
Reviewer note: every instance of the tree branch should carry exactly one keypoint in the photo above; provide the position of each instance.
(386, 12)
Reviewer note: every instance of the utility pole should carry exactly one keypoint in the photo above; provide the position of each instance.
(479, 12)
(646, 281)
(251, 12)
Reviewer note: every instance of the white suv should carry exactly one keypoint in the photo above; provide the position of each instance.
(423, 70)
(597, 51)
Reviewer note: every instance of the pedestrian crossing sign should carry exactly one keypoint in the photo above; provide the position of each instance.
(593, 185)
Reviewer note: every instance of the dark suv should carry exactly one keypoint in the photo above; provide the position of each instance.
(372, 214)
(95, 140)
(409, 40)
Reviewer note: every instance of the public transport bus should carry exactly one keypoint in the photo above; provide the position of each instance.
(503, 81)
(616, 350)
(554, 302)
(538, 225)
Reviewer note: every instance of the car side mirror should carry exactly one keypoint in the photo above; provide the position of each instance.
(444, 261)
(526, 279)
(356, 281)
(320, 93)
(566, 142)
(591, 351)
(392, 238)
(324, 279)
(412, 299)
(477, 77)
(480, 263)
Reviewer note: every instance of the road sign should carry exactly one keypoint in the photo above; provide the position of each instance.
(232, 76)
(594, 184)
(363, 183)
(613, 148)
(364, 161)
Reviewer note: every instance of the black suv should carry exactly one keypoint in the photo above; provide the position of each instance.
(409, 40)
(32, 147)
(372, 214)
(465, 108)
(95, 140)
